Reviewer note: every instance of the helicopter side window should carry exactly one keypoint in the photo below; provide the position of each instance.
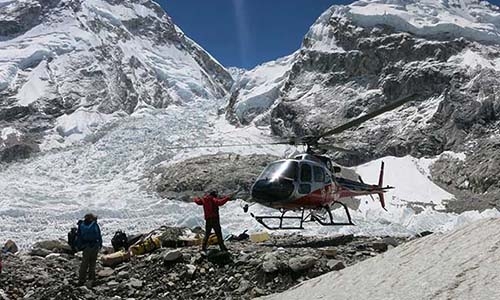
(319, 174)
(305, 173)
(328, 178)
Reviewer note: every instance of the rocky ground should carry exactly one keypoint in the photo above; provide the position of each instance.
(48, 271)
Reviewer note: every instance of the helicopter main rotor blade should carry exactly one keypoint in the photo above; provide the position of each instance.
(364, 118)
(335, 148)
(226, 145)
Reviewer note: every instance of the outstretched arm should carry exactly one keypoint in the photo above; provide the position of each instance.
(221, 201)
(198, 201)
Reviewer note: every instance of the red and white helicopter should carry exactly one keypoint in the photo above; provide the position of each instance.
(310, 184)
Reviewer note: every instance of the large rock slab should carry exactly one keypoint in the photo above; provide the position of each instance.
(455, 265)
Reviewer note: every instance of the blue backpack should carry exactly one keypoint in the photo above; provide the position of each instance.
(88, 235)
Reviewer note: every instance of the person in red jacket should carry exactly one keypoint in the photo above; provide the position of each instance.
(211, 204)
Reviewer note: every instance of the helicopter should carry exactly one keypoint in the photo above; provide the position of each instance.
(309, 183)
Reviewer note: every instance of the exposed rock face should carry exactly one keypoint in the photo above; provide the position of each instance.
(475, 180)
(95, 58)
(443, 87)
(198, 175)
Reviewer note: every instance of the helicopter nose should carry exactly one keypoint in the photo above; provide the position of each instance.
(272, 191)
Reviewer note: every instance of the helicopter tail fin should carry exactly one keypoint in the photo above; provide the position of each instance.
(380, 183)
(381, 176)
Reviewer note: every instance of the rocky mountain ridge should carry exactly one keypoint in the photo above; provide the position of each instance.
(435, 62)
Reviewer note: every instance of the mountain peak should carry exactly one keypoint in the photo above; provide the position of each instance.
(95, 58)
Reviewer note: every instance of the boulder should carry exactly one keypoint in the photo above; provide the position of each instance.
(172, 256)
(302, 242)
(10, 247)
(244, 286)
(329, 252)
(270, 262)
(191, 269)
(135, 283)
(106, 272)
(301, 263)
(379, 246)
(219, 257)
(56, 246)
(335, 265)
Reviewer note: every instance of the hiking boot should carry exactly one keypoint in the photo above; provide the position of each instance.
(90, 284)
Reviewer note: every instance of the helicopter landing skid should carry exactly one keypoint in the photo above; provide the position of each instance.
(302, 218)
(322, 221)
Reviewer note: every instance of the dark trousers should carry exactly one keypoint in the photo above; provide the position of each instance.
(213, 223)
(87, 267)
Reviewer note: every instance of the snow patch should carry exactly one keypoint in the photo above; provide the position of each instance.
(8, 132)
(35, 86)
(80, 123)
(410, 176)
(474, 60)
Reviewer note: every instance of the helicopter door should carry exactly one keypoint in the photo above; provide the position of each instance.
(305, 179)
(319, 186)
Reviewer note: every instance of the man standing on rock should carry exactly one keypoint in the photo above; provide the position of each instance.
(89, 240)
(211, 204)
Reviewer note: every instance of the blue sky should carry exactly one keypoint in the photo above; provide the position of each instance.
(245, 33)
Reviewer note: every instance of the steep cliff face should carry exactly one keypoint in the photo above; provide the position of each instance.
(71, 64)
(437, 62)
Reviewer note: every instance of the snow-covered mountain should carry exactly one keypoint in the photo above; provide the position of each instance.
(73, 64)
(437, 62)
(105, 88)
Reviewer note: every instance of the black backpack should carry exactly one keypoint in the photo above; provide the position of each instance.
(119, 241)
(72, 234)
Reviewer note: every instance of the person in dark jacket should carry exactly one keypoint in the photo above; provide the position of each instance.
(88, 239)
(211, 204)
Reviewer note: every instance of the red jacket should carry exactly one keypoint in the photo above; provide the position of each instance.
(211, 205)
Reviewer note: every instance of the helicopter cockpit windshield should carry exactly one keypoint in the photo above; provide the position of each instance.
(281, 169)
